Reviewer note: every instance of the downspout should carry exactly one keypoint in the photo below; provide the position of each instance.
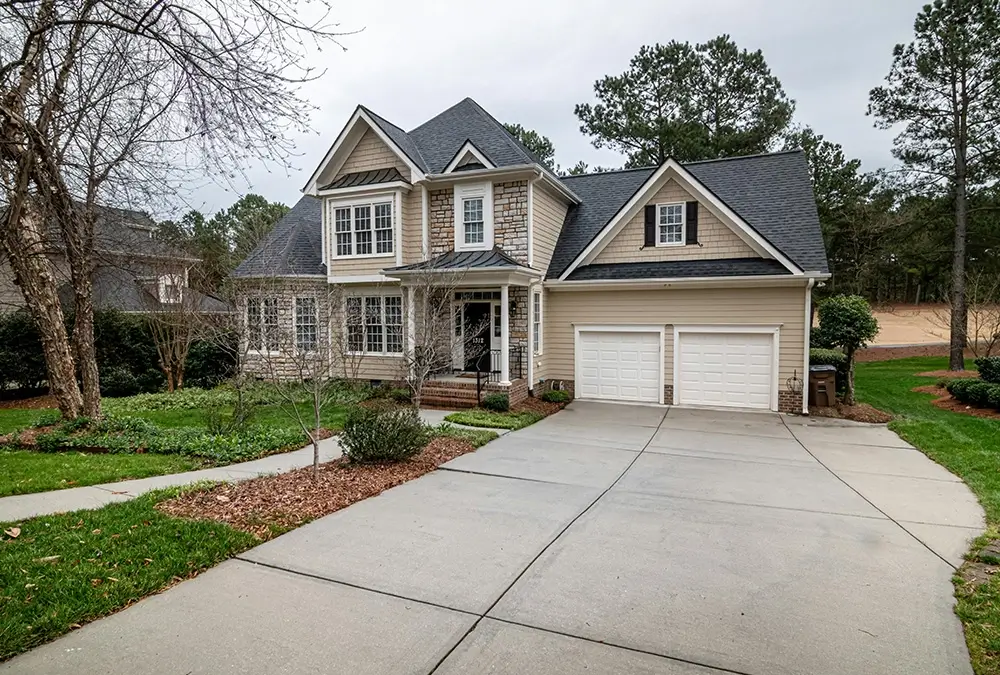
(807, 330)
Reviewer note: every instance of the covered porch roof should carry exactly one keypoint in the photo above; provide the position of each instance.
(469, 268)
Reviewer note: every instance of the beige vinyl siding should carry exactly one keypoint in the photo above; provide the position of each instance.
(784, 306)
(371, 153)
(412, 224)
(549, 212)
(717, 239)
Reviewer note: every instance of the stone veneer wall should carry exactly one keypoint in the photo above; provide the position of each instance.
(441, 213)
(283, 365)
(510, 219)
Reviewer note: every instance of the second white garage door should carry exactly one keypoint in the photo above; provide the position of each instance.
(619, 365)
(725, 369)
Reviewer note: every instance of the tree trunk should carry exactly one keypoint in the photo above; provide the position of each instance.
(849, 389)
(35, 275)
(317, 425)
(959, 306)
(86, 353)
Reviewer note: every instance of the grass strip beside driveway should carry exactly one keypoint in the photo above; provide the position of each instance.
(65, 570)
(969, 447)
(495, 420)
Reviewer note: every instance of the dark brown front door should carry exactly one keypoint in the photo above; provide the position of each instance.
(476, 319)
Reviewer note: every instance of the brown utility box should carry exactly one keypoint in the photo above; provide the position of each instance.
(822, 386)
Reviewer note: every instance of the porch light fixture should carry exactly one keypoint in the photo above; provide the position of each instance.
(513, 306)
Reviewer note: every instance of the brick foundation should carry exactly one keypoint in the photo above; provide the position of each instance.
(790, 402)
(450, 394)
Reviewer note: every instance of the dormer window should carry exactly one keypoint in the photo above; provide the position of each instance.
(362, 229)
(474, 217)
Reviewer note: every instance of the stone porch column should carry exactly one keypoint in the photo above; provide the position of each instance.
(505, 335)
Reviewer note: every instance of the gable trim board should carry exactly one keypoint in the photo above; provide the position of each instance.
(468, 148)
(672, 169)
(360, 115)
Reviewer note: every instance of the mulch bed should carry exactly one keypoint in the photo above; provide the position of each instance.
(953, 374)
(268, 506)
(861, 412)
(945, 401)
(537, 405)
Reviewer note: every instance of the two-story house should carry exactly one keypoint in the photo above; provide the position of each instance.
(685, 284)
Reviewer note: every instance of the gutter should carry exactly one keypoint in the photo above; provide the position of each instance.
(670, 282)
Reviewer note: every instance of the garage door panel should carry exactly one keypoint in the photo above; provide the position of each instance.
(620, 365)
(726, 369)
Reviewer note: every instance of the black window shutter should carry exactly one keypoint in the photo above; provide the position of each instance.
(650, 225)
(691, 223)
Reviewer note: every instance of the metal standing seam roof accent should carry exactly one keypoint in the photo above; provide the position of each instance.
(464, 260)
(678, 269)
(359, 178)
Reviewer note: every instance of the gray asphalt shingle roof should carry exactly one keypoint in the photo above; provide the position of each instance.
(679, 269)
(772, 193)
(492, 259)
(120, 289)
(293, 247)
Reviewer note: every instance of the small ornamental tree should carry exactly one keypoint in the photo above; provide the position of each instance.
(846, 321)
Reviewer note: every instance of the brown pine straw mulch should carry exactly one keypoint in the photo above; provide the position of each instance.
(860, 412)
(945, 401)
(34, 403)
(953, 374)
(265, 507)
(537, 405)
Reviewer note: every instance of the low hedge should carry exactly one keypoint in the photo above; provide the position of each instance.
(975, 392)
(989, 368)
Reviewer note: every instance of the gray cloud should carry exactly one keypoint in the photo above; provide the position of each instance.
(531, 61)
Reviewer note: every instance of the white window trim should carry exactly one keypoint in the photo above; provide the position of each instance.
(170, 280)
(329, 225)
(263, 351)
(474, 191)
(538, 315)
(364, 338)
(295, 323)
(659, 209)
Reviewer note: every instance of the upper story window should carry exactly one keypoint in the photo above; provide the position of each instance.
(362, 229)
(670, 221)
(474, 216)
(170, 288)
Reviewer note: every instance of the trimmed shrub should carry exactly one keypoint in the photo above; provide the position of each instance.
(989, 368)
(943, 382)
(496, 402)
(556, 396)
(382, 433)
(975, 392)
(826, 357)
(119, 381)
(401, 395)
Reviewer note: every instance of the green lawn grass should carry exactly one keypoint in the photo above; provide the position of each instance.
(269, 415)
(12, 419)
(65, 570)
(494, 420)
(970, 448)
(23, 471)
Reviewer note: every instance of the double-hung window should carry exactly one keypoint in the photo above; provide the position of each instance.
(374, 324)
(536, 321)
(671, 225)
(362, 229)
(262, 324)
(306, 325)
(474, 216)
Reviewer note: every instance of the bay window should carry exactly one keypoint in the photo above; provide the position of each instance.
(262, 324)
(362, 229)
(306, 324)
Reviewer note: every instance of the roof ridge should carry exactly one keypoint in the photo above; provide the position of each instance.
(380, 118)
(738, 157)
(604, 173)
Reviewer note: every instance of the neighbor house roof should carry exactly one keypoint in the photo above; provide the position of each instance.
(772, 193)
(120, 289)
(462, 260)
(678, 269)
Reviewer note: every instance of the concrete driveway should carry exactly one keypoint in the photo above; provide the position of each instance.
(607, 539)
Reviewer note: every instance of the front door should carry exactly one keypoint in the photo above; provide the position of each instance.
(477, 331)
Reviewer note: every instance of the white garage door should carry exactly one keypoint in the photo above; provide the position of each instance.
(620, 366)
(726, 369)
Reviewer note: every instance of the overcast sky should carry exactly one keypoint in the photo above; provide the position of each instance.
(531, 61)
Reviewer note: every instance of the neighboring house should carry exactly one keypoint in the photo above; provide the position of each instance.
(135, 271)
(687, 284)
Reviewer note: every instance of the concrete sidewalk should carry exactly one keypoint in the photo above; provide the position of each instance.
(20, 507)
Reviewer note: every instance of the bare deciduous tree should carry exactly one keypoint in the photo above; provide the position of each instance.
(128, 102)
(983, 308)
